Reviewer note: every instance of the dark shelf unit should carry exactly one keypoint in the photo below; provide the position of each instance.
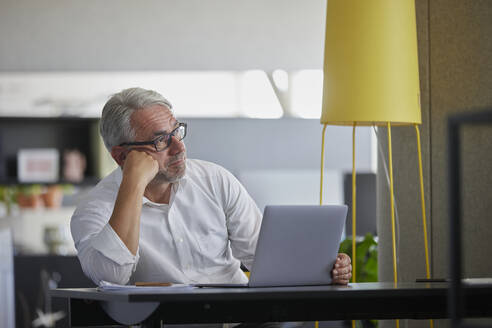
(60, 133)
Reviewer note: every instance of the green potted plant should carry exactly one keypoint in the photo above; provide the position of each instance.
(8, 197)
(29, 196)
(366, 263)
(52, 196)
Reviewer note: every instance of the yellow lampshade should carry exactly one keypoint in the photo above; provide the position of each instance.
(371, 65)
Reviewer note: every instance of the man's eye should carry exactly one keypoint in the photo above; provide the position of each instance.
(162, 140)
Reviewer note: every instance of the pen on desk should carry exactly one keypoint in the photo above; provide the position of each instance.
(431, 280)
(152, 284)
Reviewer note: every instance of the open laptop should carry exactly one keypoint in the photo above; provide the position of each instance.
(297, 246)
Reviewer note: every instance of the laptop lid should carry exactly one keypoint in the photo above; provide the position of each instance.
(297, 245)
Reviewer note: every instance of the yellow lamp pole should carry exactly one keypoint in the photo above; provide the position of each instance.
(371, 78)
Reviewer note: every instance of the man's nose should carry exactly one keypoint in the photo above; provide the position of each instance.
(177, 146)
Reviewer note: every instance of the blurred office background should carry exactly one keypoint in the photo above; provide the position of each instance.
(246, 76)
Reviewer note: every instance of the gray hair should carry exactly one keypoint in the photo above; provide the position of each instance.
(115, 126)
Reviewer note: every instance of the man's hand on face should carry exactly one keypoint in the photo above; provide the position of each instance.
(342, 270)
(140, 167)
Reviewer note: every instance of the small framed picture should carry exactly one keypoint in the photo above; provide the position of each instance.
(38, 165)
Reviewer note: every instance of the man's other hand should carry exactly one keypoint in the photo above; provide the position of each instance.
(140, 167)
(342, 270)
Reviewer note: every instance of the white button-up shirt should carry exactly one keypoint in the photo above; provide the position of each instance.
(209, 227)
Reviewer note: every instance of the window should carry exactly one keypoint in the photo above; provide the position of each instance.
(192, 93)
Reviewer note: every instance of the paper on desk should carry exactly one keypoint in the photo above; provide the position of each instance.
(108, 286)
(477, 281)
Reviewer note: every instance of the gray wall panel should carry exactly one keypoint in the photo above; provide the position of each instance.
(455, 55)
(289, 144)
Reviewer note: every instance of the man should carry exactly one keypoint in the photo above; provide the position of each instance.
(162, 217)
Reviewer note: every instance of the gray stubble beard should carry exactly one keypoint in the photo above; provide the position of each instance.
(164, 176)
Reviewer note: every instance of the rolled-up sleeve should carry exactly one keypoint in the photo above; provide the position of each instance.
(102, 254)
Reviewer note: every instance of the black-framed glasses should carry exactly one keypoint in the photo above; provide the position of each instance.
(164, 140)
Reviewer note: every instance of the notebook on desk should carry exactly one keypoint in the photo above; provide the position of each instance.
(297, 246)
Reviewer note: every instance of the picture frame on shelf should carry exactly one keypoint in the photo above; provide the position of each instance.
(38, 165)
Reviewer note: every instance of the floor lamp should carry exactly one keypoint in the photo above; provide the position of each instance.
(371, 78)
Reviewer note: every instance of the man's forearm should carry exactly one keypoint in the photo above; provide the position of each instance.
(96, 265)
(125, 219)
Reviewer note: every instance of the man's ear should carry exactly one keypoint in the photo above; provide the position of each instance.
(119, 154)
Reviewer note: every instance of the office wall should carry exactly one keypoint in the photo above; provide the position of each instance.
(276, 144)
(278, 160)
(455, 55)
(160, 35)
